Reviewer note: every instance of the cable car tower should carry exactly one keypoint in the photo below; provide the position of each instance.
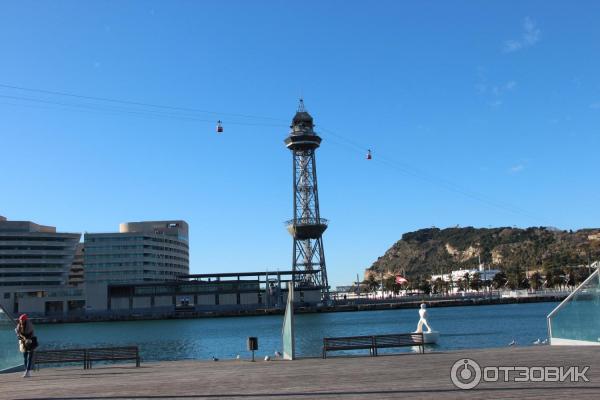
(307, 227)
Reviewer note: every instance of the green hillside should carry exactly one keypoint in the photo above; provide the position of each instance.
(430, 251)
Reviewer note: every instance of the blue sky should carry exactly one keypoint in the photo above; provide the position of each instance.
(478, 113)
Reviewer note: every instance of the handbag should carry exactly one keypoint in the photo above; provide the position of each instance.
(31, 343)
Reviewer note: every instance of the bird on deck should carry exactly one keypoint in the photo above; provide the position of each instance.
(512, 343)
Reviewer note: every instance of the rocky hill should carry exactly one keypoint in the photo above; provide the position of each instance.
(431, 251)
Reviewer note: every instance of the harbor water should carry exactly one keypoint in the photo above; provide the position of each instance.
(460, 327)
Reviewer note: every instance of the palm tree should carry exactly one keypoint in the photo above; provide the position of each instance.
(581, 275)
(536, 280)
(549, 281)
(476, 282)
(447, 287)
(516, 278)
(499, 280)
(558, 279)
(372, 284)
(571, 279)
(425, 286)
(388, 284)
(438, 286)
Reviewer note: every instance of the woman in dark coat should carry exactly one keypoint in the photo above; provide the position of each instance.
(27, 342)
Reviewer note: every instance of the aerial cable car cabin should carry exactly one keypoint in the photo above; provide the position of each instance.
(369, 156)
(219, 126)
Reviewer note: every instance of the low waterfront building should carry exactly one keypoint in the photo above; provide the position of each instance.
(233, 291)
(485, 275)
(349, 292)
(35, 262)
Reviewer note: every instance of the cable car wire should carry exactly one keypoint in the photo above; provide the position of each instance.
(136, 103)
(190, 114)
(414, 172)
(141, 112)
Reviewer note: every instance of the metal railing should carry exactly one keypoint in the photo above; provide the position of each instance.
(573, 293)
(594, 275)
(307, 221)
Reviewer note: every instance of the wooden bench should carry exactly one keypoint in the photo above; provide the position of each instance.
(348, 343)
(113, 354)
(399, 340)
(372, 343)
(60, 357)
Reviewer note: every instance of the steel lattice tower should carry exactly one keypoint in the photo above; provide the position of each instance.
(307, 227)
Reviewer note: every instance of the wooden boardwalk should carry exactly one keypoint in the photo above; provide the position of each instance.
(406, 376)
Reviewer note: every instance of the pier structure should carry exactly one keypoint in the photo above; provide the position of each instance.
(307, 226)
(406, 376)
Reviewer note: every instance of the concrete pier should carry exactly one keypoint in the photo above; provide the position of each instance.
(406, 376)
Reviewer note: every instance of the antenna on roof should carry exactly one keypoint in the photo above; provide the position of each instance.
(301, 105)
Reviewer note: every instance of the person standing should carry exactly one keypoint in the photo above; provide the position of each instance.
(27, 342)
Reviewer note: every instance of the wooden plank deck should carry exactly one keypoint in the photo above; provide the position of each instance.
(406, 376)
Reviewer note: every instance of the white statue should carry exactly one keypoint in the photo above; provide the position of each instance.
(423, 319)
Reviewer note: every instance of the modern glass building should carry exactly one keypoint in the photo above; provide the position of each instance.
(35, 260)
(152, 251)
(141, 252)
(576, 321)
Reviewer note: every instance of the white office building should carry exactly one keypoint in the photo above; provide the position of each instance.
(141, 252)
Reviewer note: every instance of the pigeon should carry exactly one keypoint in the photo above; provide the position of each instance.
(215, 358)
(538, 341)
(545, 341)
(512, 343)
(267, 358)
(237, 357)
(277, 354)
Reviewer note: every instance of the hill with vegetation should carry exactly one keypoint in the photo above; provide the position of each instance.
(550, 252)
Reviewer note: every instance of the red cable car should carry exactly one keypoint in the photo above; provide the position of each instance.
(369, 156)
(219, 126)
